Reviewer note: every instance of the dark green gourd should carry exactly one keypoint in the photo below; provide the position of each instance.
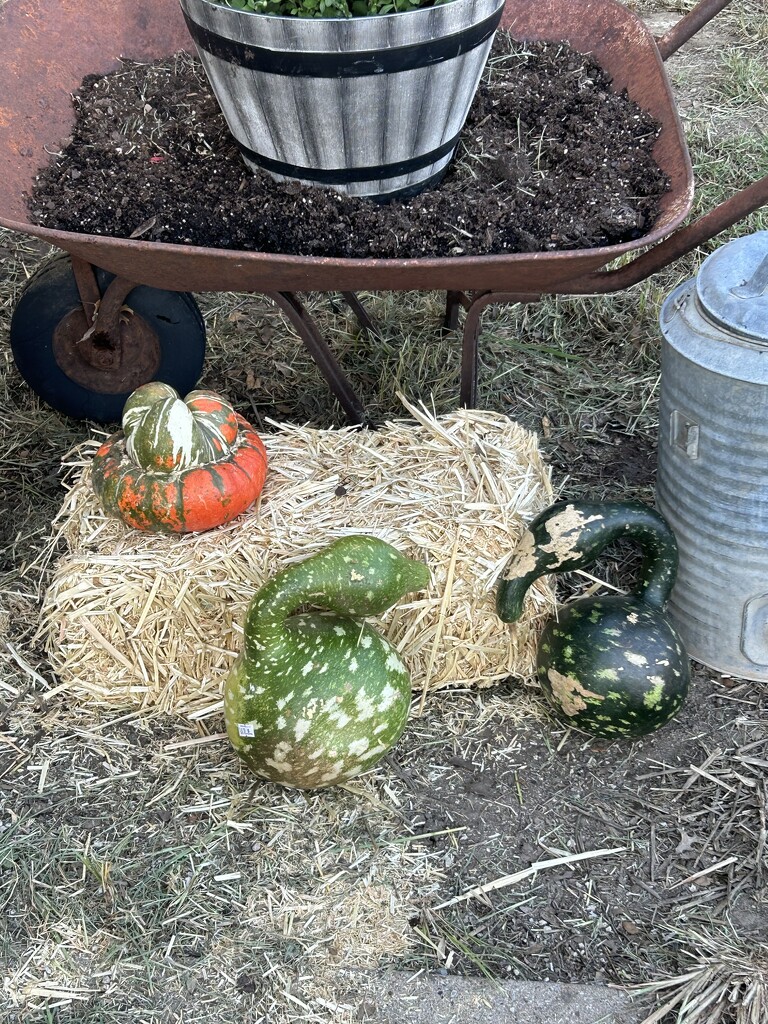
(316, 698)
(610, 666)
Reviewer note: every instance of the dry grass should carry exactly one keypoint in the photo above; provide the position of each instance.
(729, 981)
(145, 878)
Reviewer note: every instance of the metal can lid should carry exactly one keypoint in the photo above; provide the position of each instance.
(732, 286)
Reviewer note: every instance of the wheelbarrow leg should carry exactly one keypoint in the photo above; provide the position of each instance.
(367, 324)
(320, 351)
(106, 308)
(454, 302)
(469, 347)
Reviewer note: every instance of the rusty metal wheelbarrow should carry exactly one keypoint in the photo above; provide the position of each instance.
(70, 338)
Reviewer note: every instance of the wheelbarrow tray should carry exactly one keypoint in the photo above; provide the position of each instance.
(50, 45)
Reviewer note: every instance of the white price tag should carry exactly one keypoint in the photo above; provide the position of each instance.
(245, 730)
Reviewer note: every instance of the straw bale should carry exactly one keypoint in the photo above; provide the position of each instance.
(148, 620)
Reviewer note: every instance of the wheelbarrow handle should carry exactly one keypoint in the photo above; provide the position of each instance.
(678, 244)
(688, 26)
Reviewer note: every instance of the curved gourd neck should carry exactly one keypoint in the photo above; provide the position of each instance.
(273, 604)
(572, 535)
(355, 576)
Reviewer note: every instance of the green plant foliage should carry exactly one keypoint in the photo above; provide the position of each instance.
(330, 8)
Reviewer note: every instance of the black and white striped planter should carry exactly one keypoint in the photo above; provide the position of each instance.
(371, 106)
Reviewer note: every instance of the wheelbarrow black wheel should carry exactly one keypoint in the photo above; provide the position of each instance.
(50, 299)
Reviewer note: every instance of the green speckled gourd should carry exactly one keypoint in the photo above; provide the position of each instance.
(316, 698)
(610, 666)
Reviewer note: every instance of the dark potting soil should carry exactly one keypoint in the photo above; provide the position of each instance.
(550, 158)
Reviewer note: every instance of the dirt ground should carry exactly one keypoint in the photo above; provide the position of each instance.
(550, 158)
(555, 790)
(144, 877)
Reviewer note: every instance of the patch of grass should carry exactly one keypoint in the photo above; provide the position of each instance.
(722, 166)
(752, 21)
(743, 79)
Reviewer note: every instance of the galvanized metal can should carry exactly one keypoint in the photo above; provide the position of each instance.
(712, 483)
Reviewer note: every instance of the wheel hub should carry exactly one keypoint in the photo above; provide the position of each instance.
(94, 359)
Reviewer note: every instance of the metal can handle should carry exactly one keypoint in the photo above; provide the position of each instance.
(756, 286)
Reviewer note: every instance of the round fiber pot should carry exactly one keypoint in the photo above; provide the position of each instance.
(370, 106)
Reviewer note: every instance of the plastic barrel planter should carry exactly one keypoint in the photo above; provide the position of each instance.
(371, 106)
